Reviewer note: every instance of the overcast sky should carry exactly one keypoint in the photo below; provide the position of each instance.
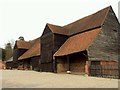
(28, 18)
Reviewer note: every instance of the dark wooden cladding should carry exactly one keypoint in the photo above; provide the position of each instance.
(46, 31)
(35, 63)
(46, 50)
(105, 46)
(26, 63)
(47, 67)
(16, 54)
(50, 43)
(59, 41)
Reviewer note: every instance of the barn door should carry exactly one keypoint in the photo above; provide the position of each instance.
(77, 66)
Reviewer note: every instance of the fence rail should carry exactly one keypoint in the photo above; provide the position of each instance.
(106, 71)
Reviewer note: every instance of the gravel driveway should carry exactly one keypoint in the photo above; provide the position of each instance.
(32, 79)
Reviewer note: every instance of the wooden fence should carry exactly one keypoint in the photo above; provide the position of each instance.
(105, 71)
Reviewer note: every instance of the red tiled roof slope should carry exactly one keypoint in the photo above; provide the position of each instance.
(77, 43)
(23, 44)
(89, 22)
(35, 50)
(58, 29)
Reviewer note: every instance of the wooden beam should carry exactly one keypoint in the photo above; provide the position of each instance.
(54, 65)
(68, 63)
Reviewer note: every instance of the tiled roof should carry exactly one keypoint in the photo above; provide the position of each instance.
(23, 44)
(77, 43)
(89, 22)
(58, 29)
(35, 50)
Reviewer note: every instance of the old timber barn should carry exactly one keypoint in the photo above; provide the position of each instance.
(73, 47)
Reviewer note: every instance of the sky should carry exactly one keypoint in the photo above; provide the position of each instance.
(28, 18)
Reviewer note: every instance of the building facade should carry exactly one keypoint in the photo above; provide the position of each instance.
(75, 46)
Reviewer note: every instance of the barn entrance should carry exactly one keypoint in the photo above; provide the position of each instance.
(77, 66)
(75, 63)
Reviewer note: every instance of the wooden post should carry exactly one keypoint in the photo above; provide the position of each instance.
(40, 67)
(54, 65)
(87, 68)
(68, 63)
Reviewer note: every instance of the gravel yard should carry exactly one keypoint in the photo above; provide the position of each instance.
(32, 79)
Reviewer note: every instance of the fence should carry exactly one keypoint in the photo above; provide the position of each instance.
(105, 71)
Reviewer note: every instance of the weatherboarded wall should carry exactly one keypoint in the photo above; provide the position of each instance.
(35, 62)
(105, 46)
(16, 54)
(46, 63)
(50, 43)
(59, 41)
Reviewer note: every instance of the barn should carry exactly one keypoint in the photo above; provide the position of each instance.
(74, 52)
(91, 38)
(31, 58)
(20, 47)
(51, 40)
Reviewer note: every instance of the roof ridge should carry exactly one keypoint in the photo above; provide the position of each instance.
(88, 15)
(53, 25)
(57, 29)
(88, 22)
(106, 14)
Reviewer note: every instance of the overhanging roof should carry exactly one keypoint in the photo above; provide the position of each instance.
(35, 50)
(78, 43)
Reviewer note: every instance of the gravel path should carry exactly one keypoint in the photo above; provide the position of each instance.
(32, 79)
